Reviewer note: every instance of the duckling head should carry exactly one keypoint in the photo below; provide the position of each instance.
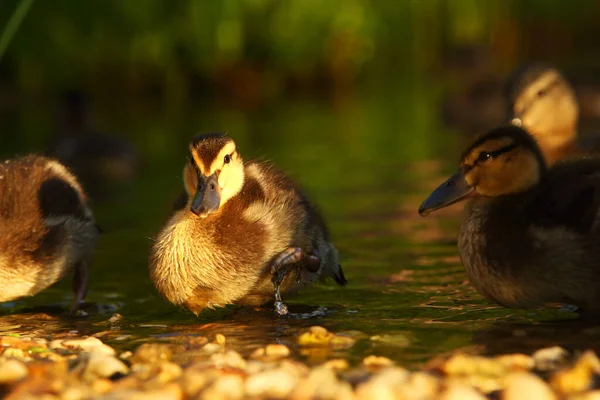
(214, 173)
(504, 161)
(542, 102)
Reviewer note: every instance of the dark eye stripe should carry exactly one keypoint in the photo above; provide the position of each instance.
(492, 154)
(506, 149)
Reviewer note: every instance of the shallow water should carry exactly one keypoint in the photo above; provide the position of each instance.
(367, 161)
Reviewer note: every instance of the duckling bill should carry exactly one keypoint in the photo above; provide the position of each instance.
(47, 231)
(244, 227)
(530, 235)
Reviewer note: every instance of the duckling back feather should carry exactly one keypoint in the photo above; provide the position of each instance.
(45, 225)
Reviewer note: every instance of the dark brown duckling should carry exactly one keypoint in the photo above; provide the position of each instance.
(245, 225)
(47, 231)
(530, 235)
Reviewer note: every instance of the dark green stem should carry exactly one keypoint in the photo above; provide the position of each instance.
(13, 24)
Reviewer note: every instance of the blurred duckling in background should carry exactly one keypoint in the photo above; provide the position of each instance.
(536, 97)
(101, 161)
(47, 230)
(530, 235)
(244, 228)
(541, 101)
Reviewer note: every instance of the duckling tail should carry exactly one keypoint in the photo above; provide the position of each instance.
(339, 277)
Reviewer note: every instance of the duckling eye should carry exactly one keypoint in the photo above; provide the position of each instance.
(227, 159)
(541, 93)
(484, 156)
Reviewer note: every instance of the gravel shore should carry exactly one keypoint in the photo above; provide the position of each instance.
(65, 367)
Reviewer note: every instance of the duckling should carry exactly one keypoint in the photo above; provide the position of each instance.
(244, 227)
(541, 101)
(530, 235)
(101, 161)
(47, 230)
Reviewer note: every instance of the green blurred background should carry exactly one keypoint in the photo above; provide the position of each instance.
(267, 49)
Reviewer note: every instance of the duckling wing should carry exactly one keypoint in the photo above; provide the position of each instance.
(571, 202)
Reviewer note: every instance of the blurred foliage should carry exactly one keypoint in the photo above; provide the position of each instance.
(259, 47)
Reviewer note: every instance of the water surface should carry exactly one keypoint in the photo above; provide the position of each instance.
(367, 159)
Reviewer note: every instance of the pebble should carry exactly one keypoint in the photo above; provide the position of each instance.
(271, 351)
(149, 353)
(11, 371)
(87, 344)
(462, 364)
(421, 385)
(228, 387)
(170, 391)
(98, 364)
(12, 352)
(337, 364)
(319, 336)
(524, 385)
(578, 378)
(322, 383)
(516, 361)
(220, 339)
(549, 358)
(229, 359)
(377, 361)
(166, 372)
(460, 391)
(275, 383)
(386, 384)
(82, 368)
(211, 348)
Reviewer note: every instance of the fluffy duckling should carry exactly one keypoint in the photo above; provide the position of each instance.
(47, 230)
(541, 101)
(530, 235)
(245, 225)
(101, 161)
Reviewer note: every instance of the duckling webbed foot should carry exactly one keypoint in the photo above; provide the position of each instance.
(80, 285)
(290, 258)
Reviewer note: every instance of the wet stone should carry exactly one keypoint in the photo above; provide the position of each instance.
(229, 359)
(87, 344)
(549, 358)
(461, 392)
(337, 364)
(11, 371)
(387, 384)
(149, 353)
(377, 362)
(319, 336)
(85, 368)
(519, 383)
(275, 383)
(98, 364)
(271, 351)
(322, 383)
(579, 377)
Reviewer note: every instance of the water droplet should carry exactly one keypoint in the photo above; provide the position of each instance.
(280, 308)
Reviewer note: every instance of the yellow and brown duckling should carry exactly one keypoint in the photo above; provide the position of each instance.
(530, 235)
(542, 101)
(47, 231)
(244, 227)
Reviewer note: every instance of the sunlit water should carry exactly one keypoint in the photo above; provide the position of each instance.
(367, 161)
